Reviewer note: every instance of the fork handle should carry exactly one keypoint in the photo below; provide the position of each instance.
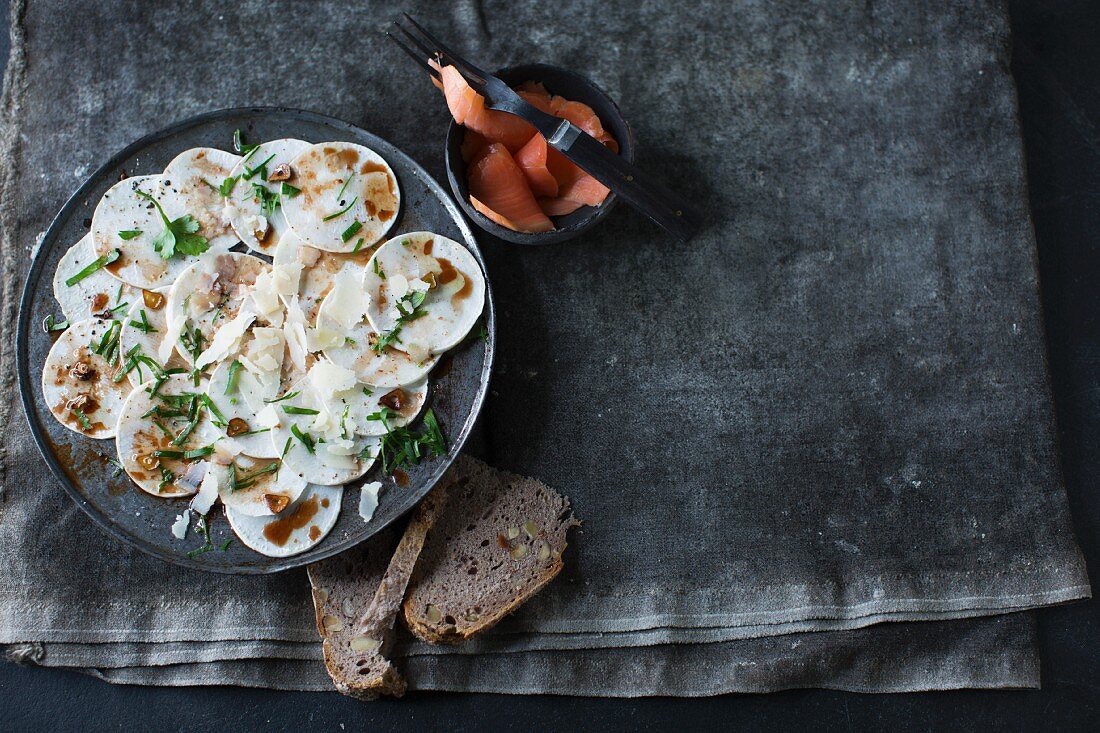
(644, 192)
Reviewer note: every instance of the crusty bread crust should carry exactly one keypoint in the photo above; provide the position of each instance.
(355, 642)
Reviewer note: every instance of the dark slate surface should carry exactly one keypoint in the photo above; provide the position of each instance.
(1056, 62)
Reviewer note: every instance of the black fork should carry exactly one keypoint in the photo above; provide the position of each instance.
(642, 191)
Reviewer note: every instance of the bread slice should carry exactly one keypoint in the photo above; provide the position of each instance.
(499, 540)
(357, 635)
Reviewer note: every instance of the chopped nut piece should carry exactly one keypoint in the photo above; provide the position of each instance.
(544, 550)
(530, 528)
(332, 624)
(78, 402)
(513, 532)
(276, 502)
(82, 371)
(236, 426)
(321, 593)
(282, 172)
(520, 551)
(394, 399)
(364, 644)
(433, 614)
(153, 301)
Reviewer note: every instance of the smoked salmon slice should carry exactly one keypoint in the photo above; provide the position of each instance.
(498, 184)
(584, 117)
(515, 178)
(468, 109)
(531, 159)
(559, 207)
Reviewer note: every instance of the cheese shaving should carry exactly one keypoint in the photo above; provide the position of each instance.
(227, 338)
(368, 499)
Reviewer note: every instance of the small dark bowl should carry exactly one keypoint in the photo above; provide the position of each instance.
(574, 87)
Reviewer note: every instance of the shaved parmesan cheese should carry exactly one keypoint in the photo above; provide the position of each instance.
(263, 355)
(417, 351)
(368, 499)
(334, 460)
(397, 285)
(179, 527)
(347, 302)
(268, 417)
(264, 295)
(341, 447)
(322, 337)
(294, 330)
(227, 338)
(325, 424)
(285, 278)
(208, 493)
(176, 323)
(328, 378)
(225, 452)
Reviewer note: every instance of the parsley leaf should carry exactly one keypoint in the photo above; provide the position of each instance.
(127, 234)
(179, 235)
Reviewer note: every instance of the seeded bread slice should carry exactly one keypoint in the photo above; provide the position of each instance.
(357, 596)
(499, 540)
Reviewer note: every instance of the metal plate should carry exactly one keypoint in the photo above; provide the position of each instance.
(458, 385)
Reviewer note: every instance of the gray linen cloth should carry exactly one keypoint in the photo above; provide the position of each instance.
(829, 410)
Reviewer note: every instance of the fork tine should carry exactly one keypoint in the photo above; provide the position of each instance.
(467, 68)
(427, 52)
(414, 55)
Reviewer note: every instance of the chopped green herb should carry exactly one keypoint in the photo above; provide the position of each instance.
(409, 308)
(179, 235)
(293, 410)
(367, 392)
(210, 185)
(119, 468)
(231, 380)
(483, 333)
(225, 545)
(94, 265)
(351, 231)
(269, 200)
(144, 326)
(166, 477)
(358, 245)
(228, 184)
(306, 438)
(127, 234)
(287, 396)
(213, 408)
(289, 191)
(248, 480)
(378, 270)
(80, 416)
(286, 446)
(340, 193)
(52, 324)
(208, 545)
(249, 173)
(342, 211)
(253, 432)
(402, 446)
